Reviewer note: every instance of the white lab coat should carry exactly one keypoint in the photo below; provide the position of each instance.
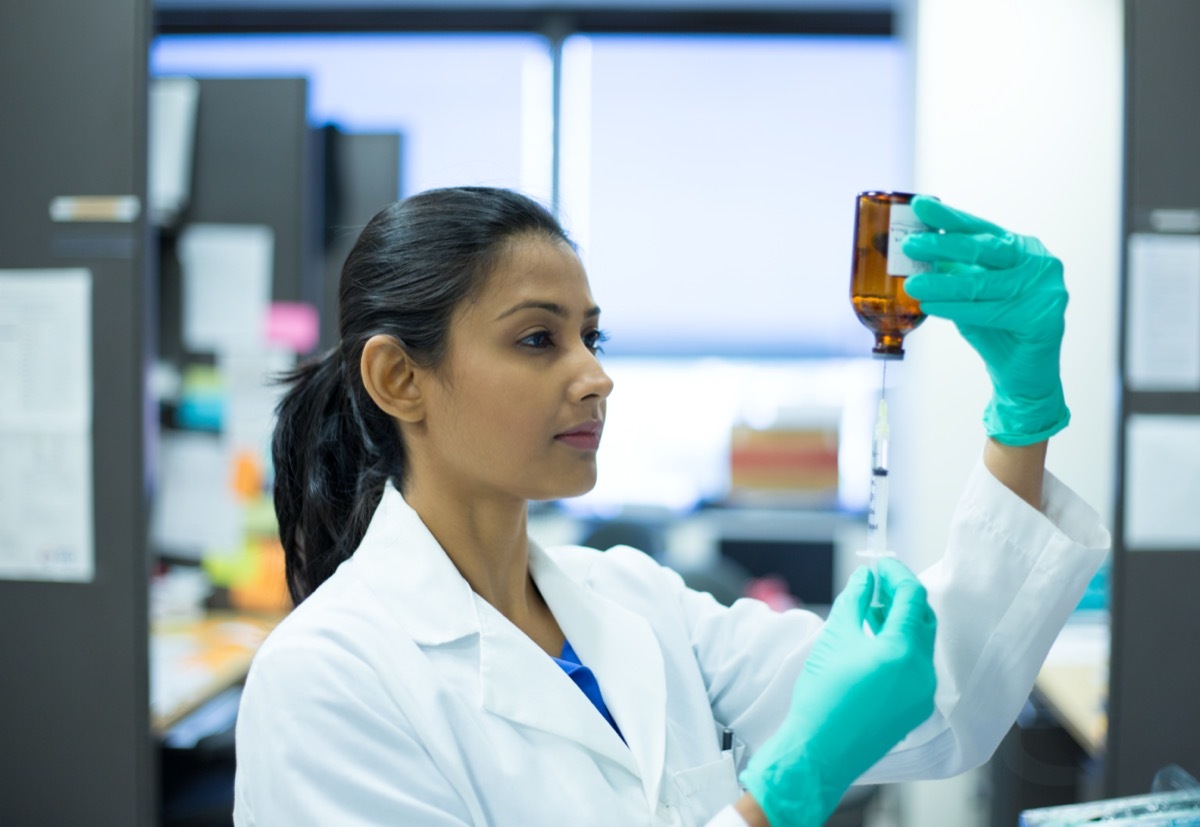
(394, 695)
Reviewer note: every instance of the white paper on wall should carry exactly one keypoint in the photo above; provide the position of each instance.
(194, 510)
(226, 285)
(1162, 482)
(46, 519)
(1163, 313)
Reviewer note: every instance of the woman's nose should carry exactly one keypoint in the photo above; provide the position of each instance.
(592, 381)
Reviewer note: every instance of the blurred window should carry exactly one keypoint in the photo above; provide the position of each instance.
(710, 182)
(473, 108)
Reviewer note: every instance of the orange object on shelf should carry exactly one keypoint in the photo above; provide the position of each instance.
(264, 589)
(246, 477)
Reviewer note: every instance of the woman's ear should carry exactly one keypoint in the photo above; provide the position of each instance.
(392, 379)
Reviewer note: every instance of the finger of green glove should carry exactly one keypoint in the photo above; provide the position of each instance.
(891, 574)
(850, 607)
(964, 284)
(909, 615)
(942, 217)
(996, 252)
(1000, 314)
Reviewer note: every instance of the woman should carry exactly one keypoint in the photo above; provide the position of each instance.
(440, 668)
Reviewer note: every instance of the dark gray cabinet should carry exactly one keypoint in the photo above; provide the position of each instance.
(75, 741)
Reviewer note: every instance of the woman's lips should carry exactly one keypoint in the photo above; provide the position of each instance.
(584, 439)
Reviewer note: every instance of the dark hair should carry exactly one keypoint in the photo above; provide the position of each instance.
(333, 448)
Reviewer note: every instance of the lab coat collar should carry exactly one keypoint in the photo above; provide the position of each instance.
(403, 564)
(401, 561)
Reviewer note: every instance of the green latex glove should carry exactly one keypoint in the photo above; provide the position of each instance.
(858, 696)
(1005, 293)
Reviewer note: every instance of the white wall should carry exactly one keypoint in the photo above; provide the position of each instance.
(1018, 119)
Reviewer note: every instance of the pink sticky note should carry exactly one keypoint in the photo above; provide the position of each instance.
(294, 325)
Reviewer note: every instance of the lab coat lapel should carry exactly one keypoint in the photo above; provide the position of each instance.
(522, 683)
(622, 651)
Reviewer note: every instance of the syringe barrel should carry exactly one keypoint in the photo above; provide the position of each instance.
(879, 442)
(879, 455)
(877, 516)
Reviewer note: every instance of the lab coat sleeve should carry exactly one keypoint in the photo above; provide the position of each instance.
(328, 745)
(1010, 577)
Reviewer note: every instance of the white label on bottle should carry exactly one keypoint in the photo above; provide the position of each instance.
(902, 222)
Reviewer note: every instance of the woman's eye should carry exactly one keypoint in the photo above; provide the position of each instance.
(539, 340)
(594, 339)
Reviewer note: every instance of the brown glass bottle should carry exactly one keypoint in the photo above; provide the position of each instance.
(879, 299)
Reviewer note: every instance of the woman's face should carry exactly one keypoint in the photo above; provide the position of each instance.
(519, 404)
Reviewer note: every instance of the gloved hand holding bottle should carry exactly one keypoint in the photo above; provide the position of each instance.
(1006, 295)
(858, 696)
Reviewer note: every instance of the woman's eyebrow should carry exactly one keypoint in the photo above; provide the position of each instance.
(553, 307)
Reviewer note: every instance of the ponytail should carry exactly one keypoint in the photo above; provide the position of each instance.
(333, 448)
(330, 471)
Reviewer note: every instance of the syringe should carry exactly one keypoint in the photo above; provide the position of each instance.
(877, 514)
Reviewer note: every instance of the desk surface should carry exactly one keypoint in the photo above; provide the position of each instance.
(1074, 682)
(193, 660)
